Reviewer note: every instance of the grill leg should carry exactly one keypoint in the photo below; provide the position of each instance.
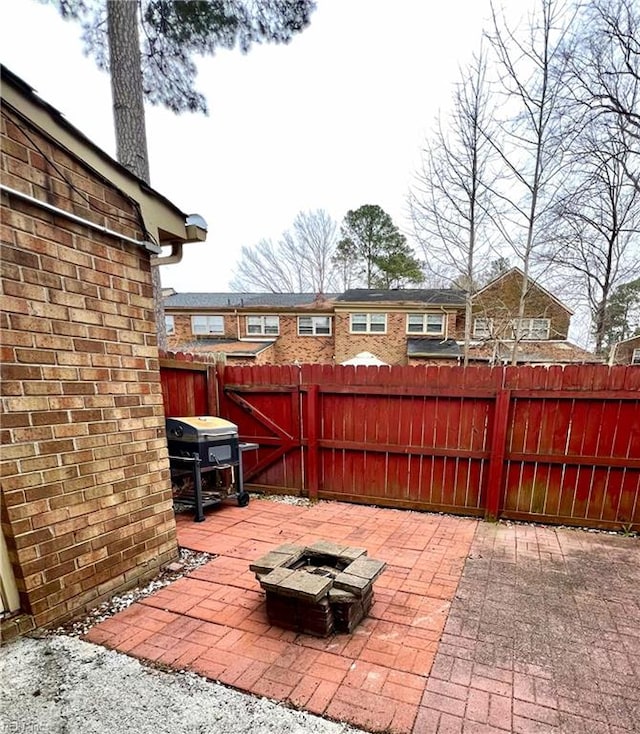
(197, 483)
(243, 497)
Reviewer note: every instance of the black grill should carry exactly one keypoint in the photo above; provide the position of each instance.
(213, 440)
(204, 455)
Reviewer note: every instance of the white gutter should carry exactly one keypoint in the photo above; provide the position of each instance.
(149, 246)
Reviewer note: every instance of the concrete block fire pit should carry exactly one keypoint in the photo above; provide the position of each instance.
(317, 589)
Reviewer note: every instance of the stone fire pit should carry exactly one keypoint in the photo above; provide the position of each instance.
(317, 589)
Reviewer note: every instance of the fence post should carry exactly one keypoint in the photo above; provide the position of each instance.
(213, 399)
(313, 452)
(496, 457)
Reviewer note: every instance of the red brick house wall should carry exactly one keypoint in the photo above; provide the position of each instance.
(86, 496)
(390, 347)
(291, 348)
(183, 332)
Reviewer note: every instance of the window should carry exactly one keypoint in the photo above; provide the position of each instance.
(203, 325)
(314, 326)
(263, 325)
(369, 323)
(635, 357)
(169, 324)
(482, 328)
(425, 323)
(531, 329)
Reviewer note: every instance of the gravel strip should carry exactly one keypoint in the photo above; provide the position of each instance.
(62, 685)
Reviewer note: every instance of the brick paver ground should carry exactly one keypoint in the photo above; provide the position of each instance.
(214, 621)
(543, 637)
(543, 634)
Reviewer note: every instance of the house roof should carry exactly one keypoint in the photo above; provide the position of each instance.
(534, 283)
(232, 348)
(535, 352)
(437, 296)
(433, 348)
(162, 218)
(244, 300)
(629, 340)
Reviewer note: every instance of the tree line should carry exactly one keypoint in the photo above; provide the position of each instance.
(315, 255)
(537, 159)
(536, 162)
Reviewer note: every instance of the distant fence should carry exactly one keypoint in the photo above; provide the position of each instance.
(558, 444)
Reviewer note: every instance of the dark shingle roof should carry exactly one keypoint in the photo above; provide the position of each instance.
(433, 348)
(439, 296)
(241, 300)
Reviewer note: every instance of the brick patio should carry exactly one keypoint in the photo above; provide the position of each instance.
(214, 623)
(533, 608)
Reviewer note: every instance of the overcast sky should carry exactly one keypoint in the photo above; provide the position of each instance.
(333, 120)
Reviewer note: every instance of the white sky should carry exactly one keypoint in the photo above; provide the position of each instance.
(334, 120)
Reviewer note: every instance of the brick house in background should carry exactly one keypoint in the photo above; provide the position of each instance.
(252, 328)
(541, 335)
(86, 495)
(281, 328)
(395, 327)
(399, 326)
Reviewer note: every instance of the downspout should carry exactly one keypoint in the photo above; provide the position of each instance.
(196, 230)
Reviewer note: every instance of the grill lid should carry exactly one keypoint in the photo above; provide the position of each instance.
(200, 428)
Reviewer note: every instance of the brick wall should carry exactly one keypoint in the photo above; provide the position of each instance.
(86, 497)
(183, 334)
(390, 347)
(303, 349)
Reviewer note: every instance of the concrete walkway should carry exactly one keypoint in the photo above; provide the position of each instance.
(542, 634)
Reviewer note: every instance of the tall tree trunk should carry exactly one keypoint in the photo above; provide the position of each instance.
(128, 113)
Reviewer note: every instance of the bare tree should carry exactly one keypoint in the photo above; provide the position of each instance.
(314, 240)
(600, 223)
(450, 201)
(300, 262)
(531, 63)
(604, 65)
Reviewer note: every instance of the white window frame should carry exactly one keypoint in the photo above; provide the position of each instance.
(635, 357)
(264, 328)
(368, 323)
(485, 333)
(169, 324)
(424, 328)
(207, 328)
(314, 325)
(526, 329)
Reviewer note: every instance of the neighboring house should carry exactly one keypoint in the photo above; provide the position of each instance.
(626, 352)
(86, 495)
(394, 324)
(394, 327)
(540, 336)
(250, 328)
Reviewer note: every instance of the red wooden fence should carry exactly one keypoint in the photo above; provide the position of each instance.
(555, 444)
